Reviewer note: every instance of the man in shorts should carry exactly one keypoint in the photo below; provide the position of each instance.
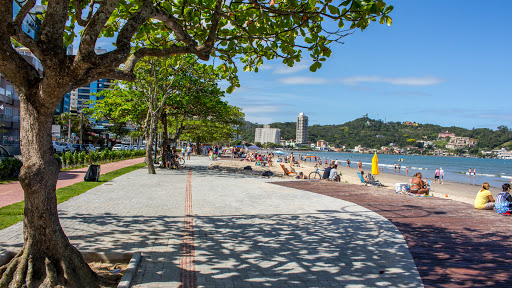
(189, 151)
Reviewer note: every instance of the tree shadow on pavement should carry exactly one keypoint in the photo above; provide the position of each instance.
(278, 250)
(453, 244)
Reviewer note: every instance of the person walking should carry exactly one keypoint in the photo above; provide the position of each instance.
(436, 176)
(441, 175)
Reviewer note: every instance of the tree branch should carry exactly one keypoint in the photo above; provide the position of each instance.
(52, 32)
(93, 28)
(23, 12)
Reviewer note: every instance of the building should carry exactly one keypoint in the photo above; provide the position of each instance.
(322, 144)
(460, 142)
(446, 134)
(9, 99)
(267, 135)
(10, 103)
(302, 129)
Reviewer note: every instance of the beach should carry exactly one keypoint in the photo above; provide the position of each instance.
(449, 190)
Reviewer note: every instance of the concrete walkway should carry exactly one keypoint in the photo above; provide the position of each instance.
(12, 192)
(203, 228)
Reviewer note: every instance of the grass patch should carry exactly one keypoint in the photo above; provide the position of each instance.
(4, 181)
(13, 213)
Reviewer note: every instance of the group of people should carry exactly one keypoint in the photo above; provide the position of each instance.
(503, 203)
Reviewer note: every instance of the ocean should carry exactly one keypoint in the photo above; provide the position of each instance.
(494, 171)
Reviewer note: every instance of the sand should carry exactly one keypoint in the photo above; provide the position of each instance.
(461, 192)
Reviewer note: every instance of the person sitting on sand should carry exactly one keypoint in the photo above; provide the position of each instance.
(327, 172)
(419, 186)
(504, 201)
(484, 200)
(333, 175)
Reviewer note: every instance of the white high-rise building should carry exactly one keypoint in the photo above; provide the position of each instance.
(267, 135)
(302, 129)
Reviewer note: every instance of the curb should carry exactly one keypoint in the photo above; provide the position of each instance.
(129, 274)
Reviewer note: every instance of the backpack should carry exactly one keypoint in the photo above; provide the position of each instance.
(502, 205)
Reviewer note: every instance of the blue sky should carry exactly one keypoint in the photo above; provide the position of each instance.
(440, 62)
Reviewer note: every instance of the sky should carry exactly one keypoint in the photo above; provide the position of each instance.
(440, 62)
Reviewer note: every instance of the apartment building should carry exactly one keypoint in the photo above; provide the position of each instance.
(302, 129)
(267, 135)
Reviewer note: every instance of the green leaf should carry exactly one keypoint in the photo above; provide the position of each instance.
(333, 9)
(230, 89)
(389, 20)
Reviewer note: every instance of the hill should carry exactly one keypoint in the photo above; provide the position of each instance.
(375, 133)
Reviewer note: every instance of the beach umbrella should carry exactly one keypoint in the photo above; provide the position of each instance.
(278, 152)
(253, 147)
(375, 165)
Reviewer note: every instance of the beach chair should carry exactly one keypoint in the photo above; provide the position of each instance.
(293, 170)
(361, 178)
(372, 181)
(286, 171)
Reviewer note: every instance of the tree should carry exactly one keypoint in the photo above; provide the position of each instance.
(256, 30)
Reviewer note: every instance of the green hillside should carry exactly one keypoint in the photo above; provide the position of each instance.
(375, 133)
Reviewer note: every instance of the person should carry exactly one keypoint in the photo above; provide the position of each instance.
(406, 170)
(300, 176)
(395, 167)
(484, 200)
(441, 174)
(168, 156)
(360, 165)
(327, 172)
(333, 175)
(469, 172)
(189, 151)
(399, 166)
(348, 163)
(436, 176)
(418, 186)
(364, 177)
(474, 172)
(503, 201)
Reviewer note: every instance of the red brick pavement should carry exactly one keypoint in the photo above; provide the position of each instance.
(453, 244)
(12, 192)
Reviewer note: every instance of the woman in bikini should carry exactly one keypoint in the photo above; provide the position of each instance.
(419, 186)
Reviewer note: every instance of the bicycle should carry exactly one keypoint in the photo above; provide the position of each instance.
(316, 174)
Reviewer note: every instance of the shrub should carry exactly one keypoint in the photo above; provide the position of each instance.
(10, 167)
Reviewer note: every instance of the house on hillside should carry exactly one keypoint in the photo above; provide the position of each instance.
(460, 142)
(446, 134)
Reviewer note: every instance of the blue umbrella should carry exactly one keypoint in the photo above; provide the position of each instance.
(253, 147)
(279, 152)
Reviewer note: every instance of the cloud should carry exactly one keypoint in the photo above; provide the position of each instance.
(303, 80)
(285, 69)
(403, 81)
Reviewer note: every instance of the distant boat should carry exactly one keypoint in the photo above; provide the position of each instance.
(401, 159)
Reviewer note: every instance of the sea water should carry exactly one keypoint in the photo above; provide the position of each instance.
(494, 171)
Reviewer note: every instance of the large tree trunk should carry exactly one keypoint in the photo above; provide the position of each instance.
(165, 137)
(150, 139)
(198, 144)
(47, 259)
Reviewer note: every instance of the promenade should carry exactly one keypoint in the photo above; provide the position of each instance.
(204, 228)
(12, 192)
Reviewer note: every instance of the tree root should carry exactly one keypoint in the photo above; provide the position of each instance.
(66, 270)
